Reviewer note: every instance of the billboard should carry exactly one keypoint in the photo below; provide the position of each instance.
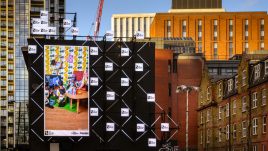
(119, 113)
(66, 97)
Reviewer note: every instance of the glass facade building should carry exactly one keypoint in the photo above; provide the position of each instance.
(15, 30)
(21, 74)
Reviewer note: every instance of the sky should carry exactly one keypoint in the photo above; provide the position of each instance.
(86, 10)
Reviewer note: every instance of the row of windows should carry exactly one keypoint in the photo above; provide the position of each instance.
(232, 130)
(233, 83)
(244, 104)
(215, 29)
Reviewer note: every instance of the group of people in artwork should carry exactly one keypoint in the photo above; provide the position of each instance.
(55, 89)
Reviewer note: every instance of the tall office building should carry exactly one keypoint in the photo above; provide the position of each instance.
(25, 10)
(7, 73)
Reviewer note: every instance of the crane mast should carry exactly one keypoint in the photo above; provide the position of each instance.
(98, 18)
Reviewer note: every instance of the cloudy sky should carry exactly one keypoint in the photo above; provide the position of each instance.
(86, 9)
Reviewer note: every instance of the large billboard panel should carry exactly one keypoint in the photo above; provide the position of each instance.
(66, 90)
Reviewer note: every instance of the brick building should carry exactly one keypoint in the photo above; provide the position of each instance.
(172, 70)
(232, 111)
(218, 34)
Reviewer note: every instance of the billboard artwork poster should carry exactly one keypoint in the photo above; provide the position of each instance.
(66, 90)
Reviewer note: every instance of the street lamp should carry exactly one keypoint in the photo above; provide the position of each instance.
(187, 89)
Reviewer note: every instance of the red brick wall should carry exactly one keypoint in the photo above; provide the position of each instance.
(189, 74)
(189, 70)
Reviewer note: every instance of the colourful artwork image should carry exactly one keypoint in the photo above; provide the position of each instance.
(66, 90)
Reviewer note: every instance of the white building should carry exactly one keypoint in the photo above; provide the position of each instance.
(125, 25)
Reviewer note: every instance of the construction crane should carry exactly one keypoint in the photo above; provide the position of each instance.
(98, 18)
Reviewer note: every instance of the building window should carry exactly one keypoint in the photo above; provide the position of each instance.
(174, 67)
(234, 131)
(199, 30)
(201, 118)
(244, 129)
(139, 24)
(244, 77)
(236, 82)
(168, 28)
(215, 30)
(200, 47)
(263, 147)
(254, 148)
(254, 100)
(254, 126)
(184, 24)
(230, 29)
(208, 93)
(133, 26)
(246, 47)
(246, 29)
(208, 135)
(219, 134)
(266, 67)
(208, 115)
(262, 29)
(199, 36)
(257, 71)
(169, 66)
(262, 46)
(115, 27)
(145, 26)
(201, 98)
(169, 89)
(215, 49)
(263, 96)
(121, 27)
(244, 104)
(264, 124)
(220, 89)
(220, 112)
(127, 27)
(230, 49)
(230, 85)
(227, 132)
(234, 106)
(201, 137)
(227, 110)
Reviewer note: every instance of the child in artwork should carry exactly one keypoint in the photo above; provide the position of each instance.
(52, 98)
(55, 67)
(61, 95)
(47, 94)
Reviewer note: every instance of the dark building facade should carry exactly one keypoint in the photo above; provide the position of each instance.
(196, 4)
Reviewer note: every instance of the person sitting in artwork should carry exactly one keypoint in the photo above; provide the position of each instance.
(55, 67)
(84, 82)
(71, 88)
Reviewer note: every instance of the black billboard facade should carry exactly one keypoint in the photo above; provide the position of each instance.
(89, 95)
